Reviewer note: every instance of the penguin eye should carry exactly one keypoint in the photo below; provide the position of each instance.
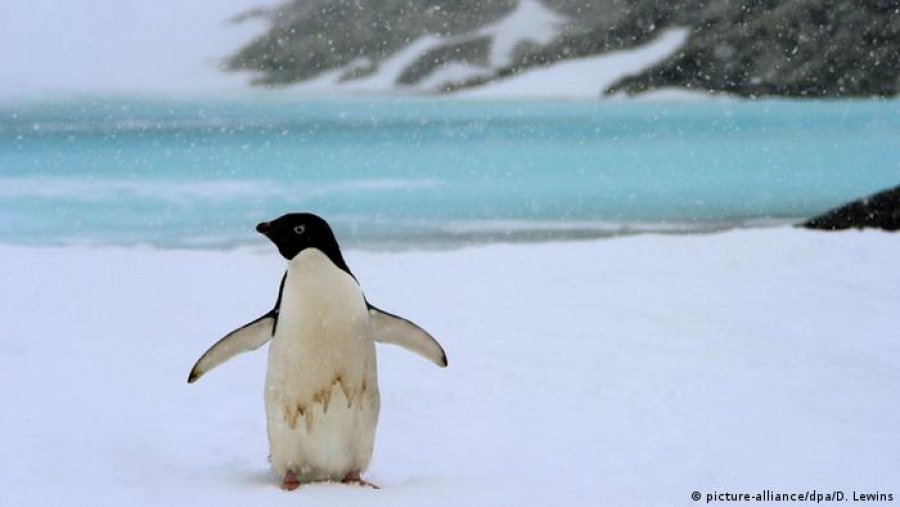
(300, 229)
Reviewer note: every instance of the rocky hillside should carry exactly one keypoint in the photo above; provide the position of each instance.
(754, 48)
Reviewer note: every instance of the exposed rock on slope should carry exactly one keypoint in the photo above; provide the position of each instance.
(309, 37)
(794, 48)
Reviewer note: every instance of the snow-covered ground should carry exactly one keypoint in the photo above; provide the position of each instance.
(177, 48)
(628, 371)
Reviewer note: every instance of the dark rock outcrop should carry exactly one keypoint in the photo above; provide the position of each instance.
(880, 211)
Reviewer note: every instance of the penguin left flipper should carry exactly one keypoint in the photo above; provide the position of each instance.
(389, 328)
(250, 336)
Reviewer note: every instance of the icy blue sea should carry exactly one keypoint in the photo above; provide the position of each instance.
(399, 173)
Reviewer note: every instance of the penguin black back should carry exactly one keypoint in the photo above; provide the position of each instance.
(295, 232)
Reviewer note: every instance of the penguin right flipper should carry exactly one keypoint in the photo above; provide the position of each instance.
(250, 336)
(390, 328)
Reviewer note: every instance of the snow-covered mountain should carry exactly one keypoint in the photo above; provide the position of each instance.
(435, 64)
(492, 48)
(777, 47)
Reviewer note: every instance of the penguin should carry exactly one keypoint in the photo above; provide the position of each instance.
(321, 389)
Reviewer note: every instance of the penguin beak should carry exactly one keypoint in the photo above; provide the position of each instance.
(264, 228)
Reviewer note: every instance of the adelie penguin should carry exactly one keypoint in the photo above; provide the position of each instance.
(321, 393)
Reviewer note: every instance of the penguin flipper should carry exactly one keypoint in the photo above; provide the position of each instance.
(250, 336)
(389, 328)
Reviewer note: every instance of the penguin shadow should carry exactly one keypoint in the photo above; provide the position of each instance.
(268, 479)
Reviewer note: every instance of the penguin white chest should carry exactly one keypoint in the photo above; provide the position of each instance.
(321, 384)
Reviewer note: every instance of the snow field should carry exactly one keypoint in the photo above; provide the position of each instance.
(625, 371)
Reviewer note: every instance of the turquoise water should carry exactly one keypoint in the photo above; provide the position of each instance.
(419, 172)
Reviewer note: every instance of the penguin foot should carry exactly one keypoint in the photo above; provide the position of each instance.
(290, 482)
(354, 478)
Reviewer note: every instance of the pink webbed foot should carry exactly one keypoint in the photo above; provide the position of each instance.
(290, 482)
(354, 478)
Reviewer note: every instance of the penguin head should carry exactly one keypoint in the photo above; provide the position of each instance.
(295, 232)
